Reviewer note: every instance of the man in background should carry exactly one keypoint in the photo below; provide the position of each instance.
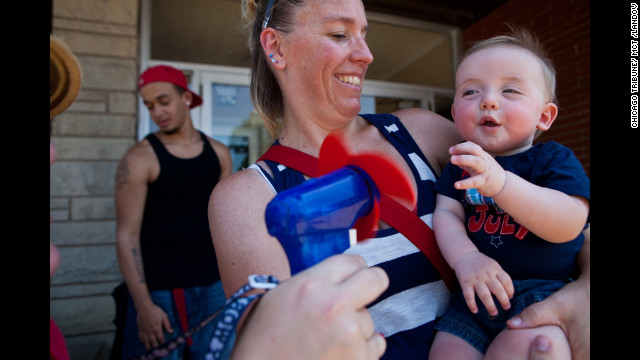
(164, 246)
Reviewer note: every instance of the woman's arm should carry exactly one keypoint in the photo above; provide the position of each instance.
(318, 314)
(242, 243)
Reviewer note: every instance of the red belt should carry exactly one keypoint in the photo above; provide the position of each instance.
(181, 305)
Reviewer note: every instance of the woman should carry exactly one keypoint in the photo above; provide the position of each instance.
(309, 60)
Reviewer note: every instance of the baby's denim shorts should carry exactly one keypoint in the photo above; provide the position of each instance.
(481, 328)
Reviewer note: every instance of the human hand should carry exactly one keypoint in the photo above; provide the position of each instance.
(151, 321)
(320, 313)
(479, 274)
(567, 308)
(486, 174)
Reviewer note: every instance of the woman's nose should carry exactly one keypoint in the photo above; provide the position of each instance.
(362, 52)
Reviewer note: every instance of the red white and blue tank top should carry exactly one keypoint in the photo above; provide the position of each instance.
(406, 312)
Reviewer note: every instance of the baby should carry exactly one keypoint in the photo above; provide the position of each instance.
(509, 214)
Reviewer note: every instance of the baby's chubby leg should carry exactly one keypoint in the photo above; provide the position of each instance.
(447, 346)
(516, 344)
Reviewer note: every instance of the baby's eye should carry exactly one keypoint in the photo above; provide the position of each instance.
(511, 91)
(468, 92)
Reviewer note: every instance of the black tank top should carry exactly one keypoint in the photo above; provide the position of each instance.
(175, 238)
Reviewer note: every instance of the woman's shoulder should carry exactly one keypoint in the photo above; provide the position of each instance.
(433, 133)
(419, 117)
(238, 181)
(247, 183)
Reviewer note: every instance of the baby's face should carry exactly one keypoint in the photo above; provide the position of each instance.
(500, 99)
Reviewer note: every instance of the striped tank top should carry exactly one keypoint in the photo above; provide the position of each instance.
(407, 311)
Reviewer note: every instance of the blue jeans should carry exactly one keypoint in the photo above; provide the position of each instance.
(481, 328)
(201, 302)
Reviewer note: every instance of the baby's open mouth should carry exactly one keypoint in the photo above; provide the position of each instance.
(489, 122)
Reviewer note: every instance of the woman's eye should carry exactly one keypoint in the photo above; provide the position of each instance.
(338, 36)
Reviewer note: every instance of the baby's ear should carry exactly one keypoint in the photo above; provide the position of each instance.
(548, 116)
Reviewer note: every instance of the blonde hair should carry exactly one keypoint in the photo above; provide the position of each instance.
(265, 90)
(522, 38)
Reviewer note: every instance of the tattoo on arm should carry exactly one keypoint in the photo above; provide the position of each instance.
(137, 259)
(122, 173)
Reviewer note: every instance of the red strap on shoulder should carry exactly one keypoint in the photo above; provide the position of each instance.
(391, 211)
(292, 158)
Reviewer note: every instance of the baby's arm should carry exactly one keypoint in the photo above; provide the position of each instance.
(550, 214)
(476, 272)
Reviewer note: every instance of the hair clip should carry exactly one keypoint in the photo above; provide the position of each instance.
(267, 13)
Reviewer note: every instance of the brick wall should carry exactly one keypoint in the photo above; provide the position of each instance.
(563, 27)
(90, 137)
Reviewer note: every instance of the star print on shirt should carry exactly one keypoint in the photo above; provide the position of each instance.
(495, 241)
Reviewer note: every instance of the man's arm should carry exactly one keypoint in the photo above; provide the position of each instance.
(131, 182)
(224, 157)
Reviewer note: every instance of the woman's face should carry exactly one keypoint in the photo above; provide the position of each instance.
(326, 57)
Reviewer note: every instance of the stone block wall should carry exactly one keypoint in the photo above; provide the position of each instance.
(90, 137)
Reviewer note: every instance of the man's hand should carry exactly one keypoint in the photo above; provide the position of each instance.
(151, 323)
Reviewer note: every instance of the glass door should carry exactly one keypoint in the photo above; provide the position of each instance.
(229, 117)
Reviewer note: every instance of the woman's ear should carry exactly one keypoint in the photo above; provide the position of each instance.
(548, 116)
(272, 47)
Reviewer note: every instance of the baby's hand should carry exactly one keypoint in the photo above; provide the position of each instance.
(479, 274)
(486, 174)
